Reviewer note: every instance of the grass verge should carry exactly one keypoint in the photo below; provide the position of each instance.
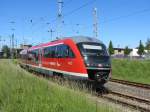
(20, 91)
(131, 70)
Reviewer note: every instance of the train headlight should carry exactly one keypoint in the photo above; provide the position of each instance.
(87, 64)
(100, 65)
(85, 57)
(94, 65)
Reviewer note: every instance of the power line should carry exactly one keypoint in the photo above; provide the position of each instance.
(77, 9)
(68, 2)
(51, 31)
(128, 15)
(73, 11)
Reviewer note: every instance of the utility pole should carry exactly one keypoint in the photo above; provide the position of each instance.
(1, 40)
(0, 43)
(12, 48)
(16, 44)
(51, 31)
(59, 17)
(77, 28)
(16, 51)
(12, 41)
(95, 24)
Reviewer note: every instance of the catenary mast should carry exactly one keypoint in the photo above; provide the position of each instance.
(59, 17)
(95, 24)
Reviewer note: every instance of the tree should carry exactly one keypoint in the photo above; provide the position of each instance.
(110, 48)
(141, 49)
(6, 51)
(148, 44)
(127, 51)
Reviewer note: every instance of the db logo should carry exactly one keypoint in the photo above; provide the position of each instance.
(70, 63)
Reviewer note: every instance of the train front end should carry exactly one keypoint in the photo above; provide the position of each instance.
(97, 61)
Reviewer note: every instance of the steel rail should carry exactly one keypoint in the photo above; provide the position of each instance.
(145, 86)
(134, 106)
(147, 101)
(127, 104)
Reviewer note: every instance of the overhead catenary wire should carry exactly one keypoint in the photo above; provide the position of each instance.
(75, 10)
(67, 2)
(126, 16)
(103, 21)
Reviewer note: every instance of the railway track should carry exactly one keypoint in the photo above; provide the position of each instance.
(128, 99)
(135, 84)
(136, 103)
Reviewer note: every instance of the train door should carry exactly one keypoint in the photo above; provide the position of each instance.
(65, 57)
(40, 57)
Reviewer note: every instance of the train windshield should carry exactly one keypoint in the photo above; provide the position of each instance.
(93, 49)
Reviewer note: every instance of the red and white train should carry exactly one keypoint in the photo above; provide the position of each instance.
(82, 58)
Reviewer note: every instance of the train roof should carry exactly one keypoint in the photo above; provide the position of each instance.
(78, 39)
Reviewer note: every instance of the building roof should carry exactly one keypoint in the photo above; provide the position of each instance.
(121, 49)
(25, 46)
(24, 51)
(1, 50)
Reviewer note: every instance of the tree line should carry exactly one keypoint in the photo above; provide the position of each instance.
(141, 48)
(7, 52)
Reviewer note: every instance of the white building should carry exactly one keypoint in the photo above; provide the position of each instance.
(134, 52)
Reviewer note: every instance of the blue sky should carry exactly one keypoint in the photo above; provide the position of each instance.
(125, 22)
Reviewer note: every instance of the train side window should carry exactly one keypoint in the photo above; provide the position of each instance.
(71, 54)
(46, 52)
(60, 51)
(64, 51)
(50, 52)
(53, 52)
(35, 55)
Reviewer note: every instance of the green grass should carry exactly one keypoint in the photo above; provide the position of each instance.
(20, 91)
(131, 70)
